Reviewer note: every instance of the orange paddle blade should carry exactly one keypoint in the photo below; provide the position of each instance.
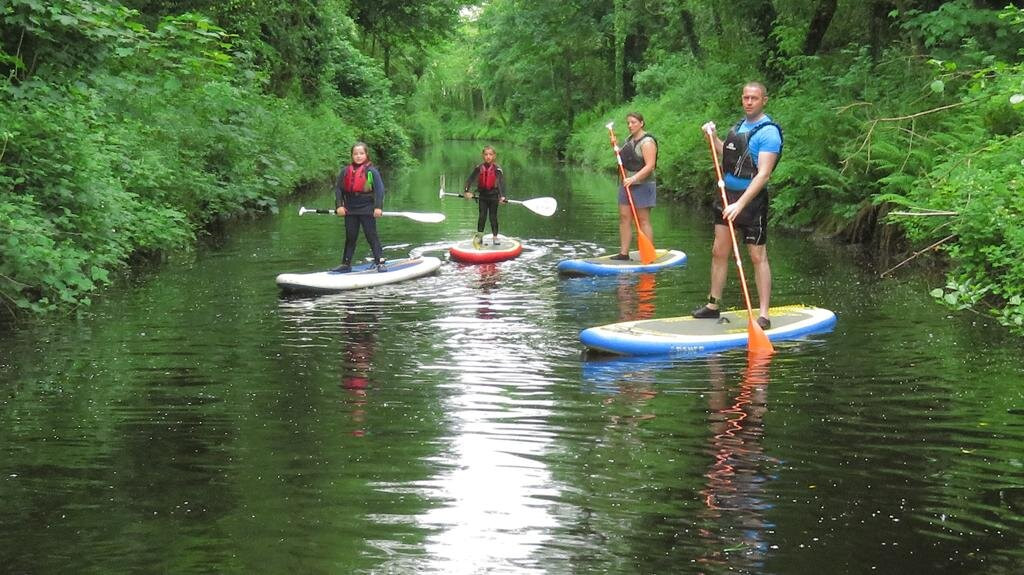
(757, 339)
(646, 247)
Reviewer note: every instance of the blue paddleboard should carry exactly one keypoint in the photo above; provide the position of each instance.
(688, 335)
(606, 266)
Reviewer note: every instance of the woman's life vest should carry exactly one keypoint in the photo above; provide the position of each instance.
(632, 157)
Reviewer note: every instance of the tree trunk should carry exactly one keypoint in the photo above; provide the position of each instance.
(620, 22)
(690, 35)
(822, 19)
(636, 47)
(763, 19)
(877, 21)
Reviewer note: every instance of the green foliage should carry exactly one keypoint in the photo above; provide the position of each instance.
(530, 80)
(366, 100)
(987, 193)
(398, 33)
(975, 172)
(946, 31)
(122, 142)
(445, 101)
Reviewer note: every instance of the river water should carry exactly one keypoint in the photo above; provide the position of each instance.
(198, 422)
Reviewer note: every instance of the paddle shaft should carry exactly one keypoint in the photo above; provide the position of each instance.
(544, 206)
(644, 244)
(755, 330)
(428, 217)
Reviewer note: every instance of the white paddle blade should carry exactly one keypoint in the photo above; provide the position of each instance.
(609, 125)
(425, 217)
(542, 206)
(302, 210)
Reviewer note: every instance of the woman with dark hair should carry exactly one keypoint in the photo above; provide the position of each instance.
(639, 156)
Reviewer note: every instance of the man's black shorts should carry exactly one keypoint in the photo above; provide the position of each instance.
(752, 223)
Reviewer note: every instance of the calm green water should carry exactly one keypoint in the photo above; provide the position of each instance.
(200, 423)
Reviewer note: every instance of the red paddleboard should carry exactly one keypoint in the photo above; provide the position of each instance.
(488, 252)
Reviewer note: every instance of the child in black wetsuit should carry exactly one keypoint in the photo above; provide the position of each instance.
(490, 191)
(359, 196)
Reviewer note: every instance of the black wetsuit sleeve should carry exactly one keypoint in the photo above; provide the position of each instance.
(501, 183)
(339, 194)
(473, 176)
(378, 189)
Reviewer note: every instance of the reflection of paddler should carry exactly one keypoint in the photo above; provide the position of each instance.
(357, 364)
(734, 493)
(636, 302)
(355, 383)
(489, 276)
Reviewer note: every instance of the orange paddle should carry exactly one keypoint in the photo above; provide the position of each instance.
(757, 339)
(643, 243)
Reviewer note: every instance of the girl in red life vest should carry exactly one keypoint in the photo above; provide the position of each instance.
(359, 196)
(490, 191)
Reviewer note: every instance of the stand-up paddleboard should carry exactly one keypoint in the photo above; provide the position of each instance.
(606, 266)
(689, 335)
(488, 252)
(361, 276)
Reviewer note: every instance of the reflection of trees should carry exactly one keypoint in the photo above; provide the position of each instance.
(734, 524)
(634, 390)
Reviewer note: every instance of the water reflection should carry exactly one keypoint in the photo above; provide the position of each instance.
(493, 489)
(488, 277)
(360, 342)
(630, 382)
(636, 297)
(734, 526)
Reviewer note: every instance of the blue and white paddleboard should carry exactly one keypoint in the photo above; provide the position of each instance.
(606, 266)
(690, 336)
(361, 276)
